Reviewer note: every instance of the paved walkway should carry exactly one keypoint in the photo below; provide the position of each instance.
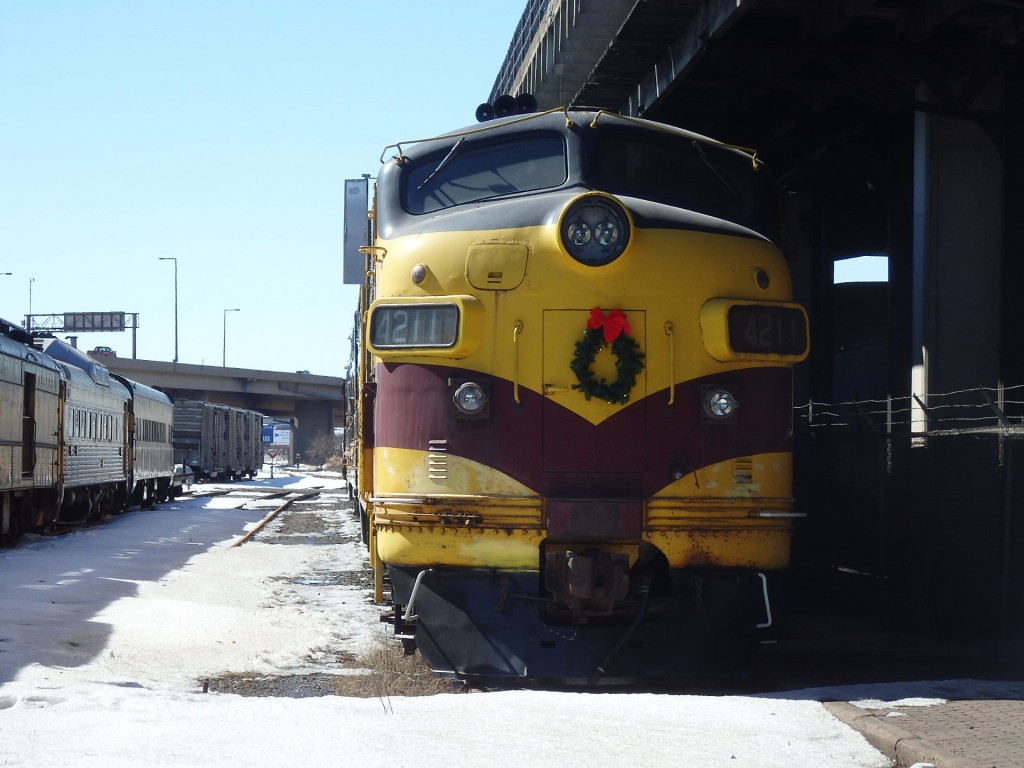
(954, 734)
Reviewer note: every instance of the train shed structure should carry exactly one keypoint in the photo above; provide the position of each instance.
(899, 128)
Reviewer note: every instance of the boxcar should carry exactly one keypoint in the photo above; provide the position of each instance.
(217, 441)
(245, 444)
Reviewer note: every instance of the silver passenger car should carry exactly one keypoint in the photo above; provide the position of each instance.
(95, 462)
(150, 427)
(30, 388)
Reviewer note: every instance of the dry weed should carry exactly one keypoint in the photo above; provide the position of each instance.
(335, 464)
(393, 673)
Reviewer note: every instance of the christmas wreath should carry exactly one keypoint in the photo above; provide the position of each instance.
(602, 329)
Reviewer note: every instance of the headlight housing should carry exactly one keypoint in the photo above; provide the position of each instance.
(595, 229)
(470, 399)
(720, 403)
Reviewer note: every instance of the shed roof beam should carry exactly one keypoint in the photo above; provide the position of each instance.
(712, 21)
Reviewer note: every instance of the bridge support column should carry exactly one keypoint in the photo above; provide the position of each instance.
(312, 419)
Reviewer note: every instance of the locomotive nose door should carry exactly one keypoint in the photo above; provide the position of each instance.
(592, 435)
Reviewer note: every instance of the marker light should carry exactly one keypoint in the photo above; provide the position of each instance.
(470, 399)
(719, 403)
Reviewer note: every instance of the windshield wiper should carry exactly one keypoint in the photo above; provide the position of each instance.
(710, 165)
(442, 164)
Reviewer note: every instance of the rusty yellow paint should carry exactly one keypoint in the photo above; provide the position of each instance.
(424, 520)
(762, 544)
(708, 517)
(514, 550)
(456, 523)
(765, 475)
(376, 565)
(757, 544)
(407, 472)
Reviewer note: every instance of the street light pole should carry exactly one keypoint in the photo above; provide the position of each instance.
(175, 260)
(224, 358)
(28, 317)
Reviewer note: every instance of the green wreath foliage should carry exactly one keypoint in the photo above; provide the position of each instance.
(629, 361)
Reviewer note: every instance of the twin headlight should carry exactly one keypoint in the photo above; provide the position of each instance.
(595, 229)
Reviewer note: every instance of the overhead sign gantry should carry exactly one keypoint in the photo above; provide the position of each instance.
(86, 322)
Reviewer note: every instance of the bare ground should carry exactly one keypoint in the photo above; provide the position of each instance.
(383, 672)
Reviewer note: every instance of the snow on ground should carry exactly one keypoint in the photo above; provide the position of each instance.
(107, 633)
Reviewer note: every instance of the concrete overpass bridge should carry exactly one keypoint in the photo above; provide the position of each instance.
(315, 404)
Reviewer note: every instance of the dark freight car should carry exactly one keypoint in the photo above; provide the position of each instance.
(217, 441)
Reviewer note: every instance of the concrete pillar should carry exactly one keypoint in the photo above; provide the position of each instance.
(312, 418)
(957, 257)
(958, 245)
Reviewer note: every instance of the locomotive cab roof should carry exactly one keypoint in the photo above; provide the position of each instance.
(668, 175)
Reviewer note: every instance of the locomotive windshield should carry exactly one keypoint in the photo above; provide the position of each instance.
(661, 166)
(686, 173)
(468, 174)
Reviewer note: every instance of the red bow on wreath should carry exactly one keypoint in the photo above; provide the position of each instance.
(614, 324)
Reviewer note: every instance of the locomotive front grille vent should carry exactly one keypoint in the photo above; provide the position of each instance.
(437, 459)
(743, 471)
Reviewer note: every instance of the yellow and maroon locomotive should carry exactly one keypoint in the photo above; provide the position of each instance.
(576, 343)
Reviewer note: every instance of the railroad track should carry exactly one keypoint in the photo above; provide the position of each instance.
(290, 497)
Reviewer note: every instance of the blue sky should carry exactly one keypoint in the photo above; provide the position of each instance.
(862, 269)
(218, 133)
